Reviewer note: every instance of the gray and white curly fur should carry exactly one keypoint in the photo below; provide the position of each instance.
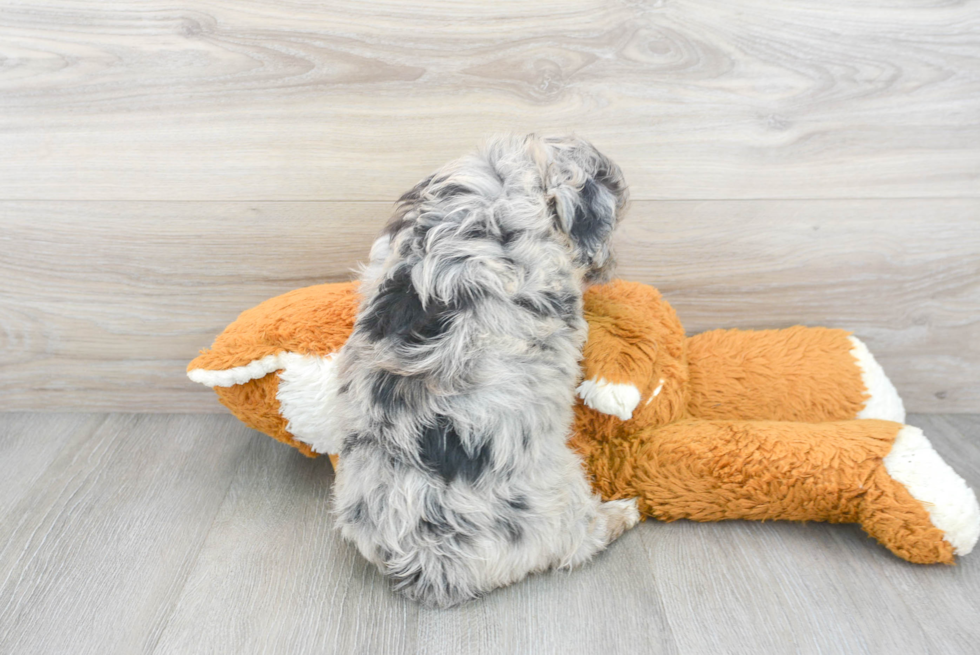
(458, 380)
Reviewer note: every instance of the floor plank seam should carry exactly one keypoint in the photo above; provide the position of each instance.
(193, 562)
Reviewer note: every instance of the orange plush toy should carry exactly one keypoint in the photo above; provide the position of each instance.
(798, 424)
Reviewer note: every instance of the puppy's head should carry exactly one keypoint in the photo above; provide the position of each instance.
(588, 196)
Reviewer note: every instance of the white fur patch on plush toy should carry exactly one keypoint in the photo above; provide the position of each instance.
(617, 400)
(307, 394)
(308, 390)
(951, 504)
(884, 402)
(229, 377)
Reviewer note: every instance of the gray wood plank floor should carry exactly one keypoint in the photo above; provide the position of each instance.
(192, 534)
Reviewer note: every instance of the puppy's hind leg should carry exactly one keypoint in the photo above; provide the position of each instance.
(620, 516)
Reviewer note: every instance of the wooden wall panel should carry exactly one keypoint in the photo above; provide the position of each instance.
(104, 303)
(356, 100)
(165, 166)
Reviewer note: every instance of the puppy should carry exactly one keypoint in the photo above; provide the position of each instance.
(459, 378)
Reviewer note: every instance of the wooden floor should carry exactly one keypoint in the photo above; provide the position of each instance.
(123, 533)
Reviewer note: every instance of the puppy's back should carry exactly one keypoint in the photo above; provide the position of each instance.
(459, 381)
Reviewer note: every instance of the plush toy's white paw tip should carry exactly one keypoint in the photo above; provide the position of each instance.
(618, 400)
(951, 504)
(883, 402)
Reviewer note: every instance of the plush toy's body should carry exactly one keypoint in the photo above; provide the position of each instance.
(795, 424)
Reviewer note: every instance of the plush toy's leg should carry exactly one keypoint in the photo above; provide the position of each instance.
(951, 504)
(635, 355)
(880, 474)
(797, 374)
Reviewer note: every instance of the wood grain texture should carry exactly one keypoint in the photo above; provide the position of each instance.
(105, 303)
(28, 444)
(615, 602)
(949, 592)
(111, 300)
(94, 553)
(904, 276)
(351, 100)
(274, 576)
(187, 534)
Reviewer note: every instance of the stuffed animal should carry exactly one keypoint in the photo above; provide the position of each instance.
(797, 424)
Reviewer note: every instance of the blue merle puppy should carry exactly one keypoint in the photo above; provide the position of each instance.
(459, 378)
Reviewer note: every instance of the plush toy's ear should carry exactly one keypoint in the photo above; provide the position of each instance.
(589, 196)
(273, 366)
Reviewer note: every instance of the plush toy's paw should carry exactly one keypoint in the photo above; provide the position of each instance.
(951, 504)
(610, 398)
(883, 400)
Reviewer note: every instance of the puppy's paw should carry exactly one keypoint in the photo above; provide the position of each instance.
(621, 515)
(610, 398)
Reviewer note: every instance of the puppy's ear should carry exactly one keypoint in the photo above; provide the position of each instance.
(589, 196)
